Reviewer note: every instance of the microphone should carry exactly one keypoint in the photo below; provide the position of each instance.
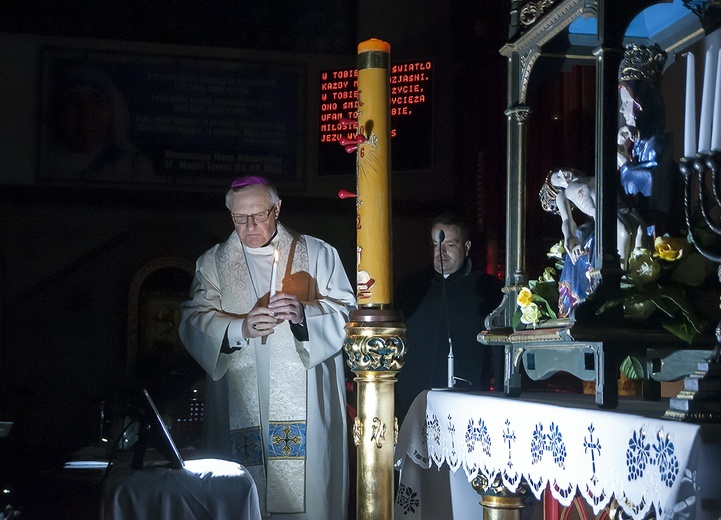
(451, 361)
(439, 237)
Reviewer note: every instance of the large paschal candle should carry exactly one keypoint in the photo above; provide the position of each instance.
(373, 170)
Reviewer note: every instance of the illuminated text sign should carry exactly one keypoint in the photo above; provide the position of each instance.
(411, 106)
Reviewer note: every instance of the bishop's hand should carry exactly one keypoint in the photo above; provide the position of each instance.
(261, 321)
(287, 307)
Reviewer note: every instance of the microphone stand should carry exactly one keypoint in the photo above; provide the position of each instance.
(440, 237)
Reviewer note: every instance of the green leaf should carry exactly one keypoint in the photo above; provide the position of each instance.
(631, 368)
(545, 306)
(516, 320)
(671, 300)
(680, 330)
(684, 328)
(548, 291)
(610, 304)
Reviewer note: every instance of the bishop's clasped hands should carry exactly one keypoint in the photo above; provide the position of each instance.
(261, 321)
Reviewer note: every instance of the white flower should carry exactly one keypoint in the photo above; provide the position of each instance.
(531, 314)
(642, 269)
(557, 251)
(548, 275)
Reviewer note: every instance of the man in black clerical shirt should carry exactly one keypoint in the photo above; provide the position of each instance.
(447, 299)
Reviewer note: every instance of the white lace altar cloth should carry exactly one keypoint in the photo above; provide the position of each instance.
(561, 441)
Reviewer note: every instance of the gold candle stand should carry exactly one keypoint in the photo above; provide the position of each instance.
(375, 344)
(498, 502)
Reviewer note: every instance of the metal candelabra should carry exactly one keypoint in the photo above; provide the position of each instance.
(700, 399)
(702, 205)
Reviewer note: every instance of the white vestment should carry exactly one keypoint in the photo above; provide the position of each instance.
(205, 320)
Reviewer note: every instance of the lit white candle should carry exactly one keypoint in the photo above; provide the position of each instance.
(274, 273)
(704, 132)
(689, 136)
(716, 124)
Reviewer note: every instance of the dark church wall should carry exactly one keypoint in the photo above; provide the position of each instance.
(67, 293)
(70, 251)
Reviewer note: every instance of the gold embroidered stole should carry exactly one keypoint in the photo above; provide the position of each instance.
(281, 479)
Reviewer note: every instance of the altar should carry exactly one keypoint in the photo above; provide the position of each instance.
(558, 443)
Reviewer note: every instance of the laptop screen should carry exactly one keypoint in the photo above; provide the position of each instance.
(153, 426)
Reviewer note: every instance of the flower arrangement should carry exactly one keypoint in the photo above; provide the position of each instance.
(660, 280)
(538, 302)
(659, 283)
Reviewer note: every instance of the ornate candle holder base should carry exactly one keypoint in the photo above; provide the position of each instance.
(498, 502)
(700, 399)
(375, 345)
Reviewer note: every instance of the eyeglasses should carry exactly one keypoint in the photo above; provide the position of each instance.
(258, 218)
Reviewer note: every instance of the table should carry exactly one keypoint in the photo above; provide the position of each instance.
(203, 489)
(560, 442)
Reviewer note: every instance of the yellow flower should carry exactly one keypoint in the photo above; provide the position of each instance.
(531, 314)
(670, 248)
(642, 268)
(524, 298)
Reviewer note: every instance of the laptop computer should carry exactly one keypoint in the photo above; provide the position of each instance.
(153, 429)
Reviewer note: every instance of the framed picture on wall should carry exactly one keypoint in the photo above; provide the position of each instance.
(110, 117)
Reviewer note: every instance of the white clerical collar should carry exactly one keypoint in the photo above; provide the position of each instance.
(263, 250)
